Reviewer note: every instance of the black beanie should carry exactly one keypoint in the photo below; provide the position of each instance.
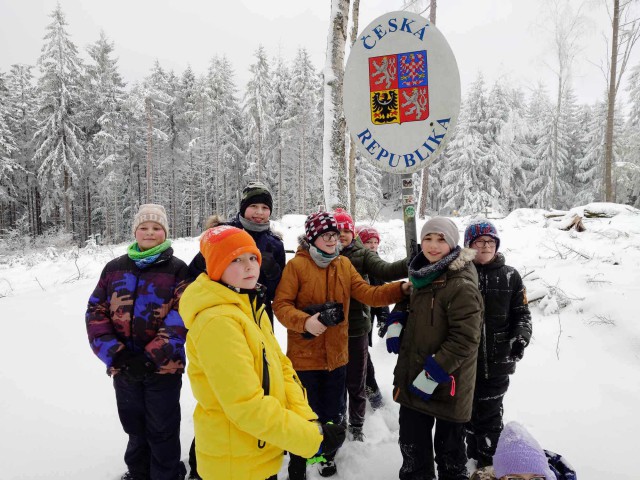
(255, 192)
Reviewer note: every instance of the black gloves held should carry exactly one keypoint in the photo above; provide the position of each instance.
(134, 366)
(334, 436)
(517, 348)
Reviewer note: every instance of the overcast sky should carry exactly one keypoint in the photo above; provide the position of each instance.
(501, 38)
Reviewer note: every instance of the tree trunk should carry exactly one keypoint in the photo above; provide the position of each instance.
(352, 146)
(611, 100)
(334, 173)
(424, 185)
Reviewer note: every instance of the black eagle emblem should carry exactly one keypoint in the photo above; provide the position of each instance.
(385, 106)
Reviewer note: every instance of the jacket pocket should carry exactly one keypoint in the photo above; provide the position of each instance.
(501, 346)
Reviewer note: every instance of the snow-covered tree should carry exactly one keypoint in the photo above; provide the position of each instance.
(59, 155)
(302, 120)
(257, 108)
(106, 137)
(469, 185)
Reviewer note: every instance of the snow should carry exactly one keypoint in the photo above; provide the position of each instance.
(576, 390)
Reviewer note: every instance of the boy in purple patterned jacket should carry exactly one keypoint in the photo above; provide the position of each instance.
(134, 327)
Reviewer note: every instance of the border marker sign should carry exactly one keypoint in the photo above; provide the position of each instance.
(401, 92)
(401, 99)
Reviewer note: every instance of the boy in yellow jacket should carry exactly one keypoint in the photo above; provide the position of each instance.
(251, 405)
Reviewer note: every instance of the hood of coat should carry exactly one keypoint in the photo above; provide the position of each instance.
(466, 256)
(204, 293)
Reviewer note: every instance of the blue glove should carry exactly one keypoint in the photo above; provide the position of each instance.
(395, 323)
(428, 379)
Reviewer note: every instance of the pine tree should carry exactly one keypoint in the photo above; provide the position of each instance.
(103, 100)
(59, 155)
(257, 109)
(10, 170)
(468, 184)
(21, 107)
(276, 166)
(302, 120)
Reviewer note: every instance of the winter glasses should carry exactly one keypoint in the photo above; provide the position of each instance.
(327, 237)
(525, 476)
(492, 243)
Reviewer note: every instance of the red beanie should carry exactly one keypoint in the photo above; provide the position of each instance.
(345, 222)
(367, 233)
(223, 244)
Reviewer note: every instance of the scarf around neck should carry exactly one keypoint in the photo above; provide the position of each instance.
(422, 275)
(252, 226)
(146, 258)
(321, 258)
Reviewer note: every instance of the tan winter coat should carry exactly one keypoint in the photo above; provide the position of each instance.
(303, 283)
(445, 319)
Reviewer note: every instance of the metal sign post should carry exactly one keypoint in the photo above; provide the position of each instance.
(401, 99)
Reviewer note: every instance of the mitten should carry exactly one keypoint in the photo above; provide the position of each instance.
(334, 435)
(394, 325)
(518, 345)
(428, 379)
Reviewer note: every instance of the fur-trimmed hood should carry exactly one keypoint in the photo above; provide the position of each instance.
(466, 256)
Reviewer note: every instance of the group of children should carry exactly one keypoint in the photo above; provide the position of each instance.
(254, 403)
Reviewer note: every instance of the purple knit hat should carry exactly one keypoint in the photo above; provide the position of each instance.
(518, 452)
(479, 228)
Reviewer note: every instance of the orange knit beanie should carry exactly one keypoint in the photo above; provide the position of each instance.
(223, 244)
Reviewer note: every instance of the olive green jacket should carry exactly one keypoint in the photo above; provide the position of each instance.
(368, 263)
(445, 319)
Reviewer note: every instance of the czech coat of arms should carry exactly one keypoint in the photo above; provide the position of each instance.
(399, 88)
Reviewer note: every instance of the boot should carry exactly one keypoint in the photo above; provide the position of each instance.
(297, 467)
(375, 398)
(355, 433)
(328, 468)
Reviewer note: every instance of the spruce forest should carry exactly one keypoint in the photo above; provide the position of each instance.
(80, 149)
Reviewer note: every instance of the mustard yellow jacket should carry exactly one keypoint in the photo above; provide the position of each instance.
(245, 417)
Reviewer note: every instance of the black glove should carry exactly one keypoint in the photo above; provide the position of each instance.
(518, 345)
(269, 267)
(334, 436)
(331, 314)
(134, 366)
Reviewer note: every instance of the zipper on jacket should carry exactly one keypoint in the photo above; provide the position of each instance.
(266, 383)
(297, 380)
(433, 299)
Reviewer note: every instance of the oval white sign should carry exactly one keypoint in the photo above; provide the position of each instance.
(401, 92)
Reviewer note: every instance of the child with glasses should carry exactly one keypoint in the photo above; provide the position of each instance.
(505, 334)
(520, 457)
(318, 279)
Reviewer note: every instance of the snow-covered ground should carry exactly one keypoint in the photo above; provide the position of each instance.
(577, 388)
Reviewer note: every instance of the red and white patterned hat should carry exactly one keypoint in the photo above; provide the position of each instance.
(344, 220)
(318, 223)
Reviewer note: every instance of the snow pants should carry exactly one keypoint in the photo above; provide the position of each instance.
(326, 395)
(356, 378)
(149, 412)
(486, 424)
(417, 447)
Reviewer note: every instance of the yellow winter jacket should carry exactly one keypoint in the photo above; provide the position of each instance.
(245, 417)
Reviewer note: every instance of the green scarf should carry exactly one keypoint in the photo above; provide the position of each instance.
(135, 254)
